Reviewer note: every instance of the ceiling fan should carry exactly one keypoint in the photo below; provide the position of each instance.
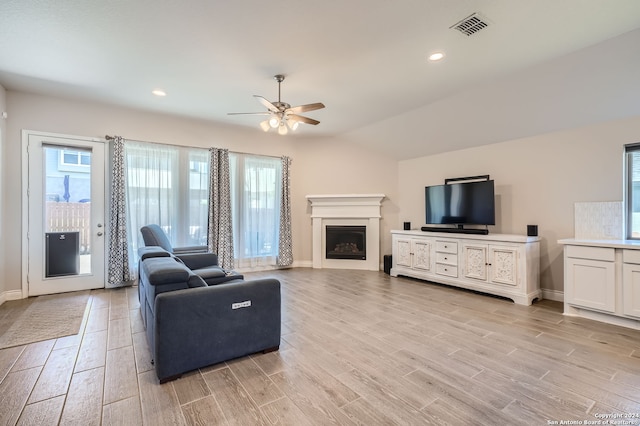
(283, 115)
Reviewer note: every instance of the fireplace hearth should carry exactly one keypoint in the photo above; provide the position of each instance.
(346, 242)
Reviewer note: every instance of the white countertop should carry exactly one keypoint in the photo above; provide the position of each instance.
(624, 244)
(514, 238)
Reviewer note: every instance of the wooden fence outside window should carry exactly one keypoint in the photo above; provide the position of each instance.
(68, 217)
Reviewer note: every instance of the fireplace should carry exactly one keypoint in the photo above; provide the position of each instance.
(359, 216)
(346, 242)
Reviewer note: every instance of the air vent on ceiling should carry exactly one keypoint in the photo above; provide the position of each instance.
(471, 24)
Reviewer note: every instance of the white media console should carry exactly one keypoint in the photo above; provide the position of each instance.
(499, 264)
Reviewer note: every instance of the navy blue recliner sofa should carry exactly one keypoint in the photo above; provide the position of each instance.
(196, 258)
(190, 324)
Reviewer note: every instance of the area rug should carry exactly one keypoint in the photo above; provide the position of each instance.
(47, 317)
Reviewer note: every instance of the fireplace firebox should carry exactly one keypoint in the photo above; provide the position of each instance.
(346, 242)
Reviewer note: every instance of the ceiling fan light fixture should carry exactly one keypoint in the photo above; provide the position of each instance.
(264, 125)
(283, 116)
(293, 125)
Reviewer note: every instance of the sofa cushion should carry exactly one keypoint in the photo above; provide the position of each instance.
(196, 281)
(165, 270)
(210, 272)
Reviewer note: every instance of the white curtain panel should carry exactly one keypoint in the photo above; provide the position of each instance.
(151, 189)
(255, 200)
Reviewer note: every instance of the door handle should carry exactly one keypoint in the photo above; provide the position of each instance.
(99, 234)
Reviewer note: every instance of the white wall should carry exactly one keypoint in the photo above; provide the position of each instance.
(3, 132)
(319, 166)
(538, 180)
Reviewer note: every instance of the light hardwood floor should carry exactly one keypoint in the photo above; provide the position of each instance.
(357, 348)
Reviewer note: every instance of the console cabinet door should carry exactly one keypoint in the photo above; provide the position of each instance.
(475, 261)
(422, 254)
(631, 289)
(402, 257)
(590, 284)
(503, 265)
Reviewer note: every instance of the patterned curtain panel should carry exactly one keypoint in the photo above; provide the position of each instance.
(285, 251)
(220, 229)
(119, 273)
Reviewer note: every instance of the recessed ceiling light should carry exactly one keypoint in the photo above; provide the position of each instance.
(436, 56)
(159, 92)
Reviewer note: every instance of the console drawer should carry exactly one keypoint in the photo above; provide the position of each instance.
(448, 270)
(447, 258)
(447, 246)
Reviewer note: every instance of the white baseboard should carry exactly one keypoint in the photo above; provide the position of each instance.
(10, 295)
(555, 295)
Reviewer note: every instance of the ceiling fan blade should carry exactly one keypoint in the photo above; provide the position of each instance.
(302, 119)
(305, 108)
(249, 113)
(271, 107)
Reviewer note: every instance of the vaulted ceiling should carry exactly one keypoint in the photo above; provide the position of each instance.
(366, 60)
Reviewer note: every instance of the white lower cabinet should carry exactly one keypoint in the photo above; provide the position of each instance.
(631, 290)
(504, 265)
(631, 283)
(590, 277)
(602, 281)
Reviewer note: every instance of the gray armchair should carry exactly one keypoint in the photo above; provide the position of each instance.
(201, 262)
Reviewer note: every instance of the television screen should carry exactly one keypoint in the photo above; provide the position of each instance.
(468, 203)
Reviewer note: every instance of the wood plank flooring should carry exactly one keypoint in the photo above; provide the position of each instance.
(358, 348)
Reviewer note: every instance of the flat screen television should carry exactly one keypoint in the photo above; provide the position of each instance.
(461, 203)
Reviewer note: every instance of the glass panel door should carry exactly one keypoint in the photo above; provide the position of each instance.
(66, 243)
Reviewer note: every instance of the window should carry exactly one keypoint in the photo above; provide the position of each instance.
(632, 199)
(168, 185)
(74, 160)
(255, 208)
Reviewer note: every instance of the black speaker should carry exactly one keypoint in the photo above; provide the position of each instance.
(387, 263)
(407, 226)
(532, 230)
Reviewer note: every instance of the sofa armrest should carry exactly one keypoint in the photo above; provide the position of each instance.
(208, 325)
(198, 260)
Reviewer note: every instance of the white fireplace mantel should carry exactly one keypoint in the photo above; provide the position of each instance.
(346, 209)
